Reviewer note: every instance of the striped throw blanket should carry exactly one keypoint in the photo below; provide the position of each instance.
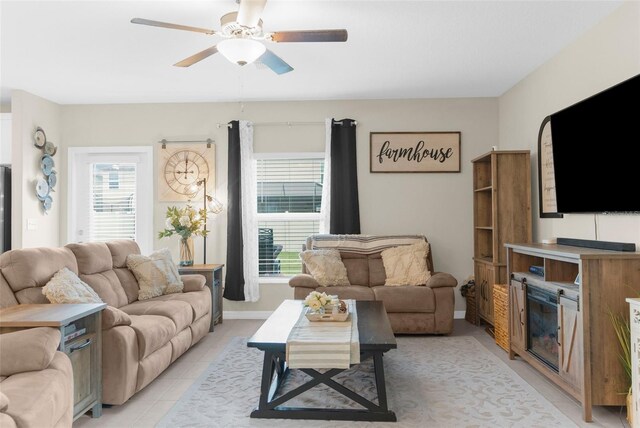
(361, 244)
(324, 344)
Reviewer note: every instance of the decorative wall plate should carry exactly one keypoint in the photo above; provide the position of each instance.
(42, 189)
(52, 179)
(40, 138)
(47, 164)
(47, 203)
(50, 148)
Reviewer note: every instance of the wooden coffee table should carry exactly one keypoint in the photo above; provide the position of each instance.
(376, 338)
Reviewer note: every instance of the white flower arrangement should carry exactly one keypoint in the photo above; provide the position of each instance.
(316, 300)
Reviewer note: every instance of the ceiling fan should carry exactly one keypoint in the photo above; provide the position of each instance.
(243, 37)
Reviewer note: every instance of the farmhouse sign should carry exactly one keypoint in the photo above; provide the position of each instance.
(414, 152)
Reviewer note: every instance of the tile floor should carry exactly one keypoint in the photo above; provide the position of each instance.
(147, 408)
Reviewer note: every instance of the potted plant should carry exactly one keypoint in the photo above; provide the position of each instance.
(623, 333)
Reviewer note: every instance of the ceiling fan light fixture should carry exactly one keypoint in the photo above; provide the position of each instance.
(241, 51)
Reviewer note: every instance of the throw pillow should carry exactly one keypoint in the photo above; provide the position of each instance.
(325, 266)
(66, 287)
(406, 265)
(156, 274)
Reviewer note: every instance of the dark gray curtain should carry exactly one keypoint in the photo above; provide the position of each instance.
(345, 208)
(234, 278)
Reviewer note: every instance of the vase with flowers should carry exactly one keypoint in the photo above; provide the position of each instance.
(318, 302)
(185, 222)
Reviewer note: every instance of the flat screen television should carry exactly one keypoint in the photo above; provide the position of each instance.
(596, 152)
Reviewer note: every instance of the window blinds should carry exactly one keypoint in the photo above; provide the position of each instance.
(112, 213)
(289, 192)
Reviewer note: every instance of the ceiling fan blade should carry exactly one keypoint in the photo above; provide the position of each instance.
(309, 36)
(172, 26)
(274, 62)
(197, 57)
(250, 12)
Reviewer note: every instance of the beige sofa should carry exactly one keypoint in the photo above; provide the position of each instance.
(36, 380)
(140, 339)
(411, 309)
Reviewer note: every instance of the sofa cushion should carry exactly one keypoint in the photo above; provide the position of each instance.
(180, 313)
(194, 282)
(33, 267)
(406, 265)
(326, 267)
(7, 421)
(66, 287)
(303, 280)
(4, 402)
(40, 399)
(6, 294)
(357, 292)
(113, 317)
(120, 249)
(92, 257)
(95, 267)
(377, 275)
(199, 301)
(406, 298)
(108, 287)
(152, 332)
(156, 274)
(129, 283)
(357, 267)
(27, 350)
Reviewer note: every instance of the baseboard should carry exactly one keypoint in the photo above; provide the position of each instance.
(246, 315)
(263, 315)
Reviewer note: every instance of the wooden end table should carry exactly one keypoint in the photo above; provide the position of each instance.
(213, 274)
(81, 328)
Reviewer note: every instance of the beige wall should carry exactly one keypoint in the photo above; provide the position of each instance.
(607, 54)
(29, 112)
(437, 205)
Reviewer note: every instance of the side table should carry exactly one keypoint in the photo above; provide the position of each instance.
(81, 329)
(213, 274)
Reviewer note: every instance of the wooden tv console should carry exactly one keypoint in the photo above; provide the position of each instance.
(587, 348)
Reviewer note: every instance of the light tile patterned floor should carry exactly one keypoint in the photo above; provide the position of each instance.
(147, 408)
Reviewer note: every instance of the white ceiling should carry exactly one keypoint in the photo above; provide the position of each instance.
(86, 52)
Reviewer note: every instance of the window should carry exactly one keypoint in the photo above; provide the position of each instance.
(109, 195)
(289, 190)
(112, 214)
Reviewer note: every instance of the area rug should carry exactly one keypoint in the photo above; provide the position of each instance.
(431, 382)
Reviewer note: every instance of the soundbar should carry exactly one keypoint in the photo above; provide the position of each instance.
(600, 245)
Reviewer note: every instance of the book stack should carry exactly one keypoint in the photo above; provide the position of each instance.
(71, 332)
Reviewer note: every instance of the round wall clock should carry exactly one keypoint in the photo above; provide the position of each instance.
(183, 169)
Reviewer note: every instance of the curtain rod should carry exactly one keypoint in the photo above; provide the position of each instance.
(354, 123)
(208, 142)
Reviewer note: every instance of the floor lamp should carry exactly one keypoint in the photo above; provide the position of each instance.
(211, 205)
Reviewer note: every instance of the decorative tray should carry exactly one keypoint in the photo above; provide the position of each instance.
(313, 316)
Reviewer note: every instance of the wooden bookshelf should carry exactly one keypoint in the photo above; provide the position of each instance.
(501, 213)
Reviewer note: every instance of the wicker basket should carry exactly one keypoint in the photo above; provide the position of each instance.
(471, 314)
(500, 315)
